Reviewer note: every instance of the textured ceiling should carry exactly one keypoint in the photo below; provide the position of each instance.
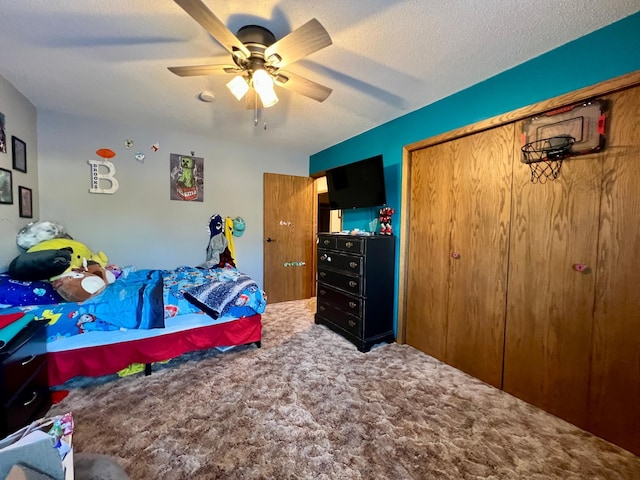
(108, 58)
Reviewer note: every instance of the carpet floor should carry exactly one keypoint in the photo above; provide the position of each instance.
(309, 405)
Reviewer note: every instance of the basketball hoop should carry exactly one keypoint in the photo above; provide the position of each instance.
(545, 156)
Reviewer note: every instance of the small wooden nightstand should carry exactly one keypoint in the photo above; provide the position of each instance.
(24, 391)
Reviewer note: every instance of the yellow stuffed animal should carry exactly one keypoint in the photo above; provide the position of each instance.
(81, 254)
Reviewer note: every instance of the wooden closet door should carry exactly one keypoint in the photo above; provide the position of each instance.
(614, 400)
(481, 189)
(458, 238)
(554, 227)
(428, 252)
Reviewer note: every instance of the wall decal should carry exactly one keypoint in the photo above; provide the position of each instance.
(99, 178)
(128, 144)
(186, 177)
(139, 156)
(155, 147)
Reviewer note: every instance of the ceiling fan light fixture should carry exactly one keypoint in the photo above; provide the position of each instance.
(263, 84)
(274, 59)
(238, 87)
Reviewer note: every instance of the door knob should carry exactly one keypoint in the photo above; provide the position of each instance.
(269, 240)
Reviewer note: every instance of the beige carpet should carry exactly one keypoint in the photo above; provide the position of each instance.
(308, 405)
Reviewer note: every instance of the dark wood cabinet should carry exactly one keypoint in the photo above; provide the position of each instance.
(356, 287)
(24, 394)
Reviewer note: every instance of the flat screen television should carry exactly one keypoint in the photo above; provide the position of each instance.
(357, 185)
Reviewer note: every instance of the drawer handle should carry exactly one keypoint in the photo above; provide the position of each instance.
(349, 244)
(353, 284)
(33, 399)
(326, 242)
(28, 360)
(323, 257)
(352, 323)
(353, 264)
(321, 308)
(323, 292)
(353, 304)
(323, 274)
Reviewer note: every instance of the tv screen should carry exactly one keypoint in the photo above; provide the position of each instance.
(357, 185)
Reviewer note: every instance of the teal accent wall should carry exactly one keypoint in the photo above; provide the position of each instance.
(601, 55)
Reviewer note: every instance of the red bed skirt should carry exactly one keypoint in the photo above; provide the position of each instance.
(107, 359)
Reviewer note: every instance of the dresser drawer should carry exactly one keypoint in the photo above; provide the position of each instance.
(31, 404)
(337, 317)
(17, 369)
(340, 300)
(348, 283)
(327, 242)
(337, 261)
(350, 244)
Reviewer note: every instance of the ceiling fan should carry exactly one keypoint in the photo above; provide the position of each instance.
(258, 57)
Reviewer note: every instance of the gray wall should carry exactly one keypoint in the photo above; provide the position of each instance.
(139, 225)
(20, 119)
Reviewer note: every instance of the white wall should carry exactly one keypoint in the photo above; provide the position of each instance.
(139, 225)
(20, 120)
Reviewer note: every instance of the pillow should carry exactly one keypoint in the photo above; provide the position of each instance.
(19, 293)
(40, 265)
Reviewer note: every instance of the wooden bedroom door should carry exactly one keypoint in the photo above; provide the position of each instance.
(288, 237)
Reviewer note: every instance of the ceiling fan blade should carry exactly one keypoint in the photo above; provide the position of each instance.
(196, 70)
(303, 86)
(212, 24)
(303, 41)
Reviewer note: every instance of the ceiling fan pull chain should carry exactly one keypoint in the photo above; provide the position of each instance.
(264, 116)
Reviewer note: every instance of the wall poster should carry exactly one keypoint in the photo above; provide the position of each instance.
(187, 177)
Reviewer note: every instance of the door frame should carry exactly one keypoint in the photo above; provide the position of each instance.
(602, 88)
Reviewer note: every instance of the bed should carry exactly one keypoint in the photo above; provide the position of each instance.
(145, 316)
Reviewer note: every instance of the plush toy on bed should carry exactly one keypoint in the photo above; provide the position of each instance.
(80, 284)
(52, 254)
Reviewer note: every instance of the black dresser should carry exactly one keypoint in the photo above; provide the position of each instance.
(355, 292)
(24, 391)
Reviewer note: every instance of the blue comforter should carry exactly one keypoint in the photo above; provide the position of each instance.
(143, 299)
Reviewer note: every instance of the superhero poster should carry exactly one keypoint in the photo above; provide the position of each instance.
(187, 177)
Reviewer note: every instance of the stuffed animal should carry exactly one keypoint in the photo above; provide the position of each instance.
(385, 220)
(81, 284)
(36, 232)
(40, 265)
(80, 253)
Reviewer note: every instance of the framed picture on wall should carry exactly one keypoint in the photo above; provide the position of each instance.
(26, 202)
(6, 187)
(19, 149)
